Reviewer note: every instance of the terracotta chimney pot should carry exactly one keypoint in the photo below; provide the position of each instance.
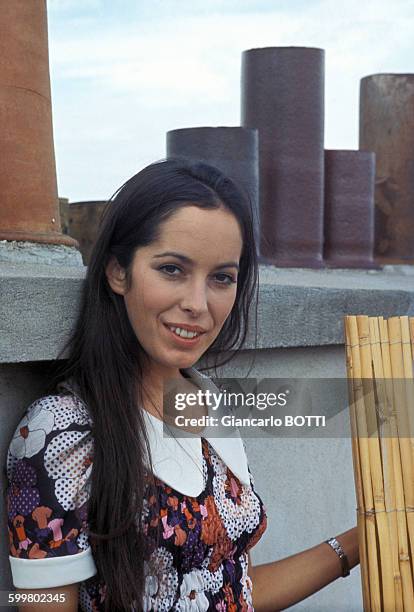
(28, 188)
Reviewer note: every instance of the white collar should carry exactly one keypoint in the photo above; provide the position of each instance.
(178, 461)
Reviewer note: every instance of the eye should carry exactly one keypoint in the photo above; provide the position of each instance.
(228, 279)
(224, 279)
(169, 272)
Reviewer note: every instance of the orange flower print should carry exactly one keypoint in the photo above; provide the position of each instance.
(163, 512)
(24, 540)
(40, 515)
(222, 549)
(212, 524)
(191, 520)
(72, 534)
(258, 534)
(180, 536)
(13, 550)
(229, 598)
(206, 453)
(172, 501)
(214, 534)
(36, 553)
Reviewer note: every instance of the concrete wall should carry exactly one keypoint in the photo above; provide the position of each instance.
(306, 484)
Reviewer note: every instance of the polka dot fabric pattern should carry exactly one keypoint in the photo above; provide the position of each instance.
(69, 449)
(196, 547)
(47, 492)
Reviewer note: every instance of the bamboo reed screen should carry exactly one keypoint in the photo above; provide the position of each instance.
(380, 380)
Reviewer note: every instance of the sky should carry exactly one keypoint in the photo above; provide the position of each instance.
(124, 72)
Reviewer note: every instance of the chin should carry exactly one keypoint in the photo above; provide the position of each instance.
(186, 363)
(180, 362)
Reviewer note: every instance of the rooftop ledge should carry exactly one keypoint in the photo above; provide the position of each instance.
(297, 307)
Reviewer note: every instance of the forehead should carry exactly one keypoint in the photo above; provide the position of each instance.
(212, 232)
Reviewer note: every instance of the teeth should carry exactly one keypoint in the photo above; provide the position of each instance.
(183, 332)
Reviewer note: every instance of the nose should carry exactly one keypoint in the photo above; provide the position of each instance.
(195, 297)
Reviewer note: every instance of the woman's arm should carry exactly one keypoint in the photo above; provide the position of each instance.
(281, 584)
(68, 599)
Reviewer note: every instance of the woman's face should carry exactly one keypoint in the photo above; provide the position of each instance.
(192, 287)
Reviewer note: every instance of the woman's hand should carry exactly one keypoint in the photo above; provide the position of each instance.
(281, 584)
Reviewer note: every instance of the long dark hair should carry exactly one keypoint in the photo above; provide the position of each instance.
(106, 360)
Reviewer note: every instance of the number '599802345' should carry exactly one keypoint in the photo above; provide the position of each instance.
(16, 598)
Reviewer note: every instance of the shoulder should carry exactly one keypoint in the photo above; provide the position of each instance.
(49, 464)
(62, 418)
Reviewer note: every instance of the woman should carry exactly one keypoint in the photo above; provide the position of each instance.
(171, 278)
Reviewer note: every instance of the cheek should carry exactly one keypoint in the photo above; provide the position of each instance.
(142, 309)
(155, 299)
(153, 294)
(224, 304)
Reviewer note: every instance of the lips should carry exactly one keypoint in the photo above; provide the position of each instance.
(182, 341)
(192, 328)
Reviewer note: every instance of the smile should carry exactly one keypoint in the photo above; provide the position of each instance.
(182, 336)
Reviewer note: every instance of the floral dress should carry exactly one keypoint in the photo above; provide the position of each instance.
(198, 543)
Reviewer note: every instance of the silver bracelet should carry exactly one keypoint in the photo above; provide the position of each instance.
(335, 545)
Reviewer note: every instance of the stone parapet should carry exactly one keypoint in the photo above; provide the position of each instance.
(38, 308)
(297, 307)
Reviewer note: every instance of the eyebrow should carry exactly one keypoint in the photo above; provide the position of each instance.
(187, 260)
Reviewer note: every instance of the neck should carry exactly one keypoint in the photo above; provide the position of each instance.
(155, 382)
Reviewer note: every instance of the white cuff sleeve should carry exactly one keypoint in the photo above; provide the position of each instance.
(52, 572)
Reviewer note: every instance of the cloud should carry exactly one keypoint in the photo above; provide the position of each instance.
(121, 79)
